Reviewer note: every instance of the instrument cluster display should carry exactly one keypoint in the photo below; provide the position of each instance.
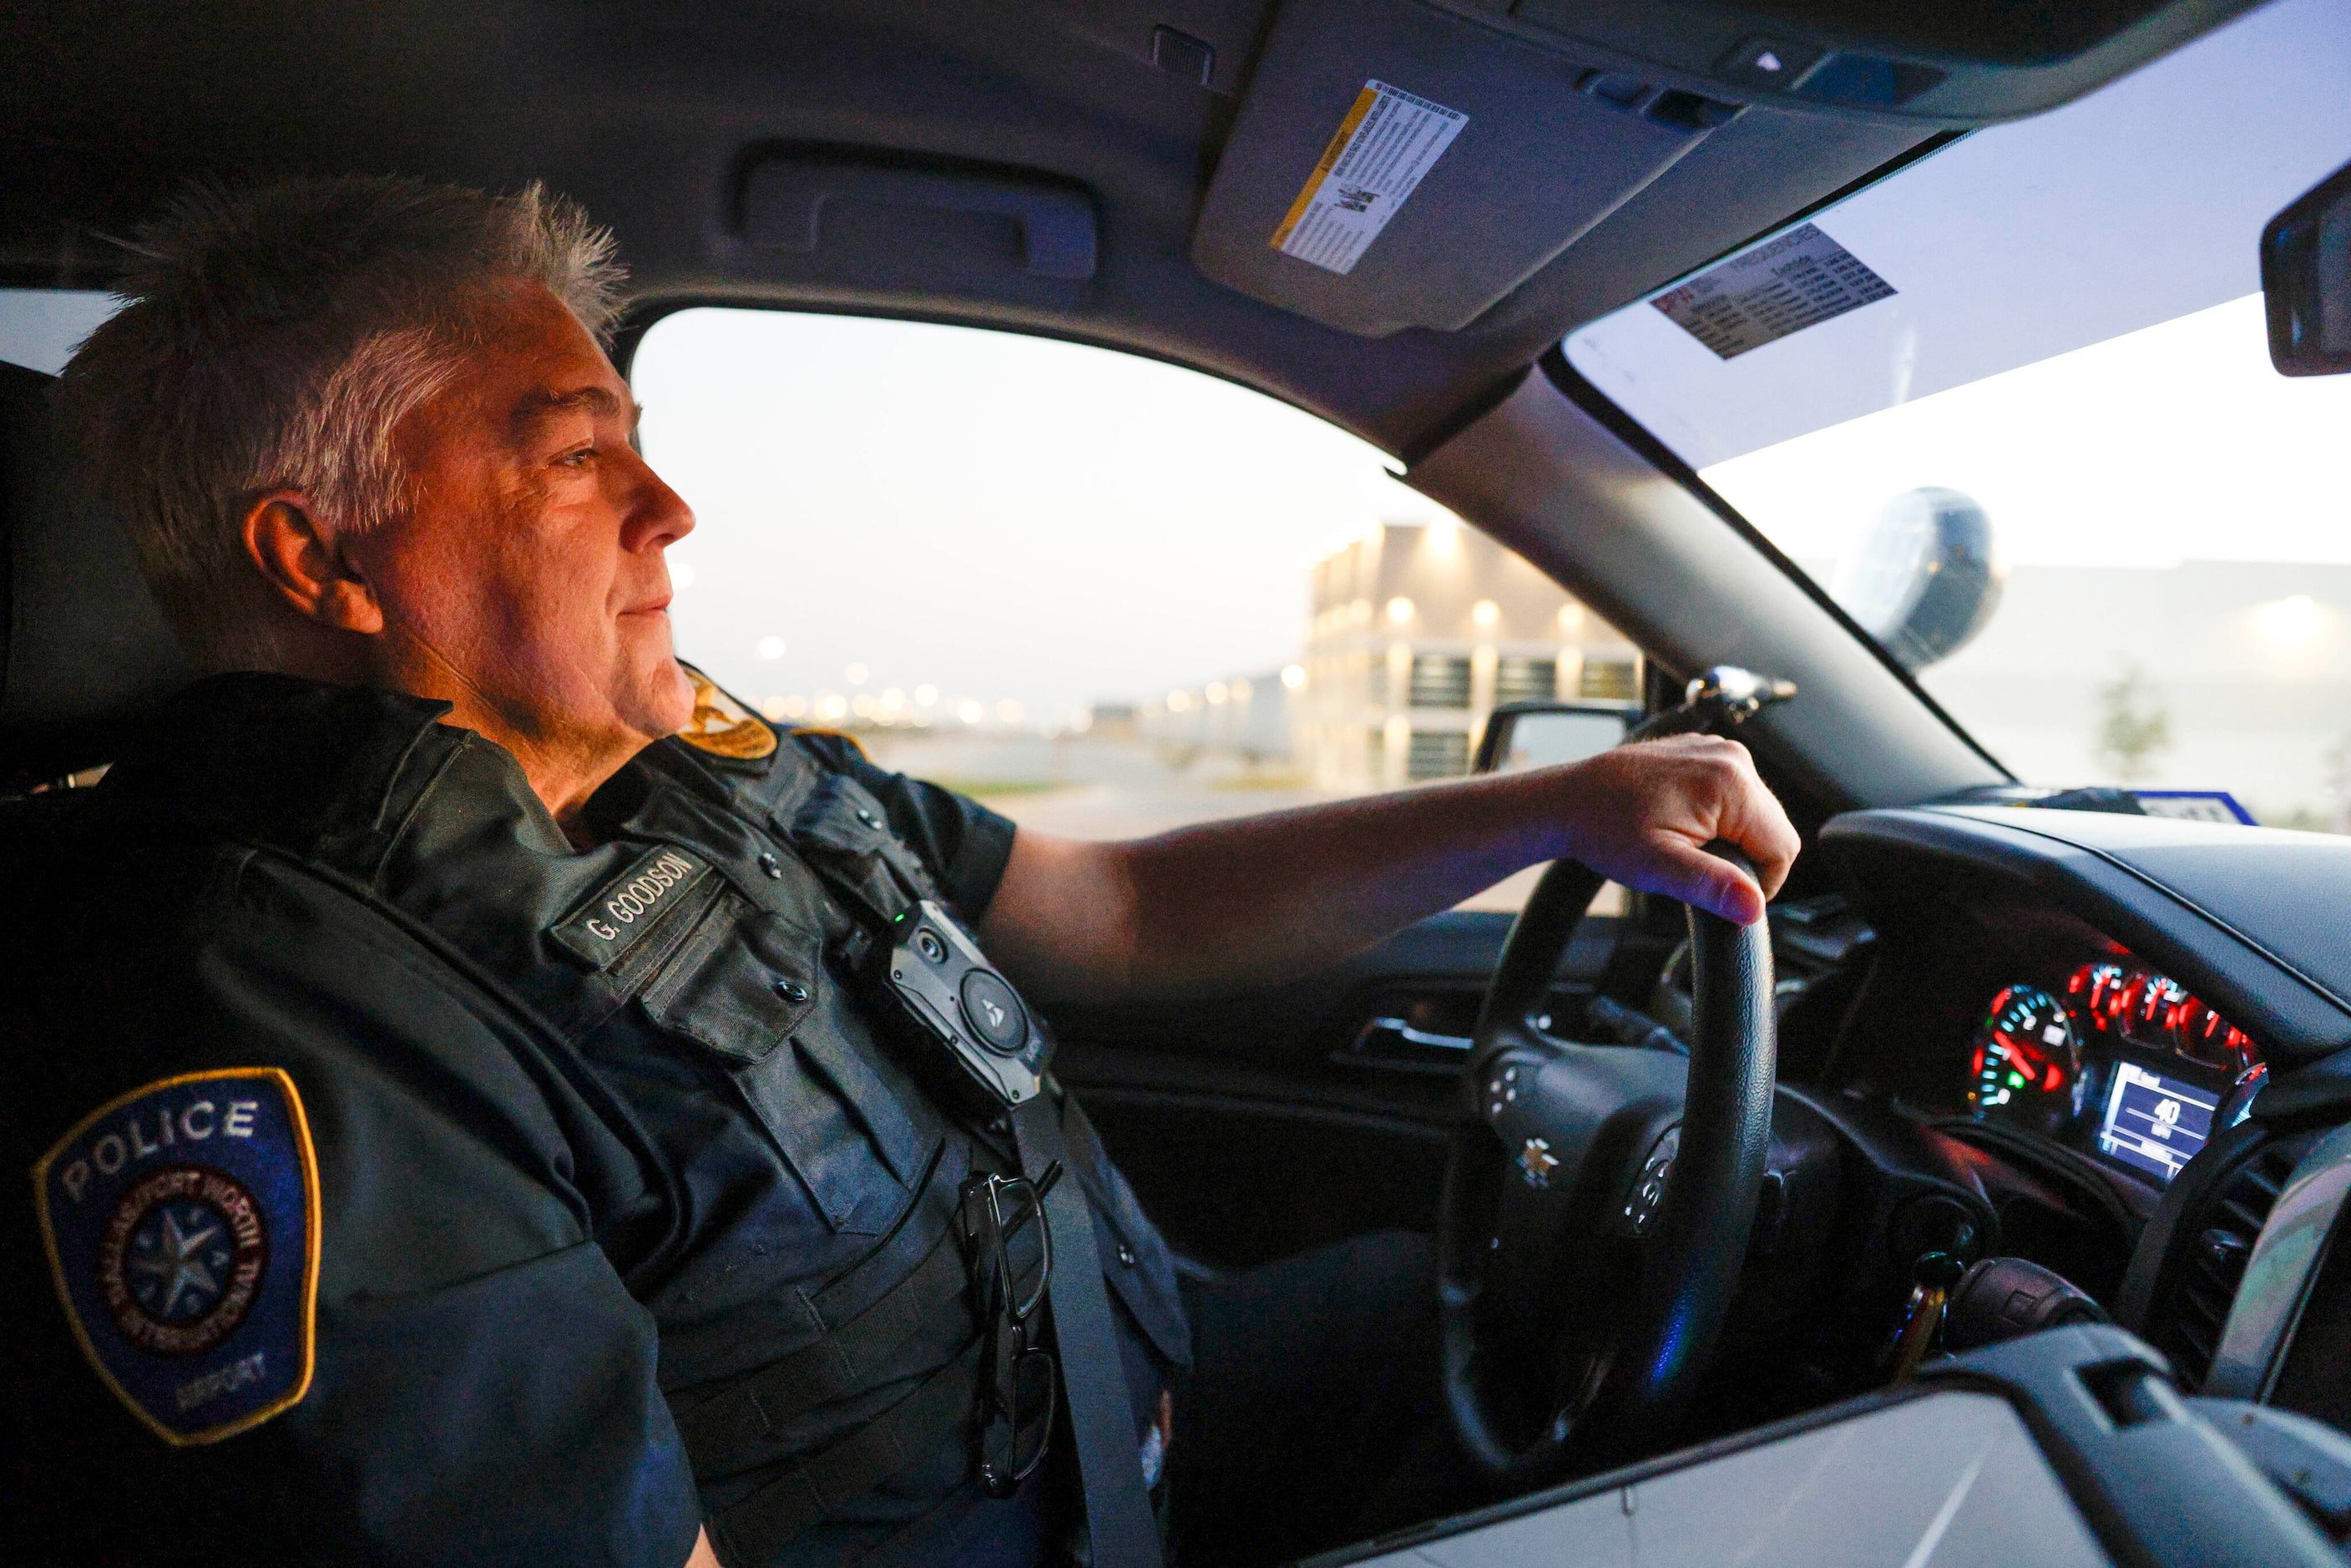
(2028, 1063)
(2152, 1011)
(2154, 1122)
(2115, 1044)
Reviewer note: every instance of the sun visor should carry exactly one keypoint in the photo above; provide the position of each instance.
(1399, 163)
(1392, 166)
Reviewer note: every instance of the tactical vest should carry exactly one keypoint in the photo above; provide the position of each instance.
(797, 1247)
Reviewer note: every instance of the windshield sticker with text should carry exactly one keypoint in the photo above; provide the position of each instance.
(1798, 280)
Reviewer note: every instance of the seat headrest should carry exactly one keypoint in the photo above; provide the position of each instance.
(83, 648)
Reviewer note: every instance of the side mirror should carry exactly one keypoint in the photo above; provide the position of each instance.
(2306, 280)
(1540, 733)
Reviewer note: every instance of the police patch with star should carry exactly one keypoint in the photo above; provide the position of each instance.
(182, 1233)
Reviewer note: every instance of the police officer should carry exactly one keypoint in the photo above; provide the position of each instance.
(471, 1072)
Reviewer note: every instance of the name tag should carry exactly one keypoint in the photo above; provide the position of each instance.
(602, 927)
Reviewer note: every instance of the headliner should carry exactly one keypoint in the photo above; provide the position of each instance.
(645, 114)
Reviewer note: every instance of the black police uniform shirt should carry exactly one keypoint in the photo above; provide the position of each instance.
(413, 1186)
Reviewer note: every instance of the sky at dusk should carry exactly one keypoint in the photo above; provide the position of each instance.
(997, 518)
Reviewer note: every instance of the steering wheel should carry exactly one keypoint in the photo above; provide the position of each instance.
(1581, 1292)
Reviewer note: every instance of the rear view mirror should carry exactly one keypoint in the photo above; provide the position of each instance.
(2306, 280)
(1543, 734)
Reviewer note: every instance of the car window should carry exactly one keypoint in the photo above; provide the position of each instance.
(2013, 406)
(1106, 594)
(41, 327)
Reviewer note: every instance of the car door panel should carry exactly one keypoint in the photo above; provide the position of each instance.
(1268, 1123)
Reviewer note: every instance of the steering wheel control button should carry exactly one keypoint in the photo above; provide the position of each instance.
(1649, 1189)
(1503, 1091)
(993, 1010)
(1617, 1102)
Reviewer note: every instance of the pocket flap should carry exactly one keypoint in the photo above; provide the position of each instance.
(740, 982)
(842, 816)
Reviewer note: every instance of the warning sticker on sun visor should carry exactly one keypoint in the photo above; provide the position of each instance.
(1389, 140)
(1798, 280)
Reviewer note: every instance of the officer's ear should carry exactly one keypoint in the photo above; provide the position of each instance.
(297, 555)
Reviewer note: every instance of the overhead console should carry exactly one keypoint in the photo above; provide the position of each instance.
(1400, 163)
(1955, 63)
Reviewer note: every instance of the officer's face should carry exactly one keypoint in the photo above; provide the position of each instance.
(529, 572)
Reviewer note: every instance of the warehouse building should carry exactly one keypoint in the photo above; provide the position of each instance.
(1417, 630)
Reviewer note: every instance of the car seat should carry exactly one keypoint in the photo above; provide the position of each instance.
(84, 650)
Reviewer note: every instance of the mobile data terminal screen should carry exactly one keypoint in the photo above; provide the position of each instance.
(2153, 1123)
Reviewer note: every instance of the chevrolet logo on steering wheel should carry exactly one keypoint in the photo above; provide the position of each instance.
(1538, 1162)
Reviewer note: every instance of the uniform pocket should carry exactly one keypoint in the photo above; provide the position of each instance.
(841, 816)
(740, 983)
(1135, 1256)
(845, 832)
(753, 990)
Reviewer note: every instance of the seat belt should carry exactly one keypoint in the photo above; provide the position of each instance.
(1094, 1374)
(1119, 1521)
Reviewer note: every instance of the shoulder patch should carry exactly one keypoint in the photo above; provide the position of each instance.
(721, 726)
(182, 1223)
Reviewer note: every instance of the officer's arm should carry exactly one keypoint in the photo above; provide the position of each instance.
(406, 1345)
(1260, 899)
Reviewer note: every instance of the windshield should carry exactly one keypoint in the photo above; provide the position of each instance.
(2013, 407)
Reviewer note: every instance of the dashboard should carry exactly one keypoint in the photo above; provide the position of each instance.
(2122, 1045)
(2117, 1059)
(2116, 989)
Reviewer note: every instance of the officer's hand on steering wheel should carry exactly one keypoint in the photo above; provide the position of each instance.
(1643, 815)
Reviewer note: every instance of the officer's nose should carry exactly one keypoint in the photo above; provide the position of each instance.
(658, 515)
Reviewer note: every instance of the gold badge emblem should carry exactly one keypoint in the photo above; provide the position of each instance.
(723, 726)
(1536, 1162)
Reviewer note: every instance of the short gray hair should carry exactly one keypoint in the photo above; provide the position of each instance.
(273, 340)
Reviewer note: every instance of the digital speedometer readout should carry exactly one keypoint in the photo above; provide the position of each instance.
(2027, 1066)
